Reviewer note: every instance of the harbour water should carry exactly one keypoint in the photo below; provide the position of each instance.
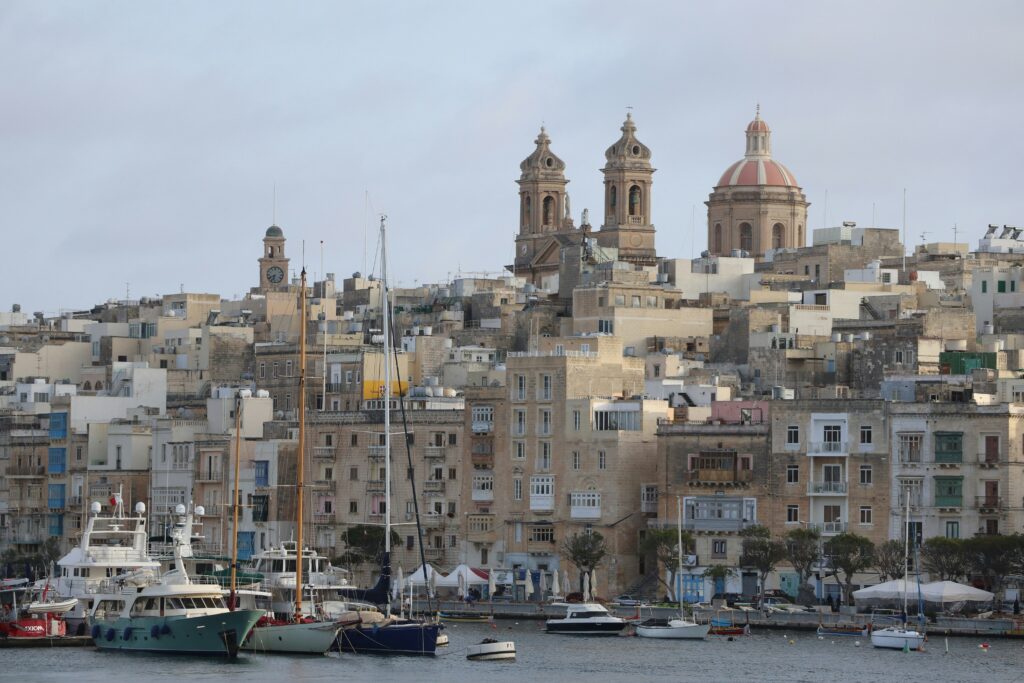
(766, 656)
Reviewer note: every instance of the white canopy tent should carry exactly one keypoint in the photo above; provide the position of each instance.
(941, 595)
(470, 577)
(950, 591)
(890, 590)
(422, 576)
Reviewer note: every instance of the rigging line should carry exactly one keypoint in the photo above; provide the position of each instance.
(408, 456)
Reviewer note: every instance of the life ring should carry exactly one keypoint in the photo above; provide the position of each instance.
(127, 633)
(95, 631)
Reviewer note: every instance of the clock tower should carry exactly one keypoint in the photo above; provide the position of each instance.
(273, 264)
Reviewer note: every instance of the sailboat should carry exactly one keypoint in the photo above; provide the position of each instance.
(382, 633)
(901, 637)
(299, 633)
(681, 628)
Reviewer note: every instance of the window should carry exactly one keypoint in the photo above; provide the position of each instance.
(718, 548)
(544, 457)
(353, 507)
(263, 370)
(260, 508)
(353, 474)
(575, 460)
(602, 460)
(865, 434)
(652, 302)
(617, 420)
(908, 447)
(620, 299)
(866, 477)
(519, 450)
(453, 439)
(952, 529)
(792, 474)
(354, 440)
(545, 422)
(520, 385)
(949, 491)
(984, 286)
(606, 326)
(793, 434)
(792, 514)
(576, 420)
(453, 473)
(897, 356)
(865, 515)
(542, 534)
(992, 448)
(519, 423)
(544, 390)
(542, 486)
(635, 301)
(1001, 286)
(746, 237)
(517, 489)
(261, 472)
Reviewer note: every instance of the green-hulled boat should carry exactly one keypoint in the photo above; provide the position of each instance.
(172, 614)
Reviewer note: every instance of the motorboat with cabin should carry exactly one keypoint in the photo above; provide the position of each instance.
(587, 618)
(170, 614)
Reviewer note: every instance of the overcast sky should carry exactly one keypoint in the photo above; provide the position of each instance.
(140, 142)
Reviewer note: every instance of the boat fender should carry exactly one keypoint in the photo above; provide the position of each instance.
(127, 633)
(155, 631)
(110, 634)
(165, 630)
(95, 631)
(376, 629)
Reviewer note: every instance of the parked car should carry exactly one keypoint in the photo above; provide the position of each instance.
(730, 598)
(628, 600)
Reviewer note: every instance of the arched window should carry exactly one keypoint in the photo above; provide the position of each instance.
(611, 198)
(526, 211)
(549, 210)
(99, 385)
(634, 201)
(777, 235)
(717, 248)
(87, 386)
(746, 237)
(800, 236)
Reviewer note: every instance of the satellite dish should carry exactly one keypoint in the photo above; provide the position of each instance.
(200, 510)
(180, 509)
(95, 507)
(140, 508)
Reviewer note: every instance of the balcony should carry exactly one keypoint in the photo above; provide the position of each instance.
(324, 452)
(988, 502)
(434, 452)
(949, 501)
(718, 477)
(541, 502)
(584, 512)
(209, 476)
(715, 525)
(828, 448)
(55, 504)
(322, 484)
(483, 426)
(482, 459)
(480, 527)
(335, 387)
(26, 470)
(74, 502)
(649, 506)
(323, 518)
(377, 452)
(375, 485)
(483, 495)
(434, 553)
(433, 486)
(541, 547)
(827, 488)
(830, 528)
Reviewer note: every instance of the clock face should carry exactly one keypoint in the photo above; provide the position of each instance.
(522, 249)
(275, 274)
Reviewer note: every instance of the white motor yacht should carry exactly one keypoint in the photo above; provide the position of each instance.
(588, 618)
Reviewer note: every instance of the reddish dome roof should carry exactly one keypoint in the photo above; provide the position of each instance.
(760, 171)
(757, 125)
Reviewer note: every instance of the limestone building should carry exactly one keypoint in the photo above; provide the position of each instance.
(756, 205)
(627, 199)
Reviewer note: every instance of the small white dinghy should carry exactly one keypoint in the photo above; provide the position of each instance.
(53, 606)
(492, 650)
(442, 640)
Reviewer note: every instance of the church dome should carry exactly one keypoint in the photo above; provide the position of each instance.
(274, 231)
(757, 167)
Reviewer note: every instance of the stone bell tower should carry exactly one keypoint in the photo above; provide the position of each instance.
(273, 264)
(627, 198)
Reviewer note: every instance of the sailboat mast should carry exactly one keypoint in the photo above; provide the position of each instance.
(386, 395)
(234, 502)
(906, 552)
(679, 550)
(302, 444)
